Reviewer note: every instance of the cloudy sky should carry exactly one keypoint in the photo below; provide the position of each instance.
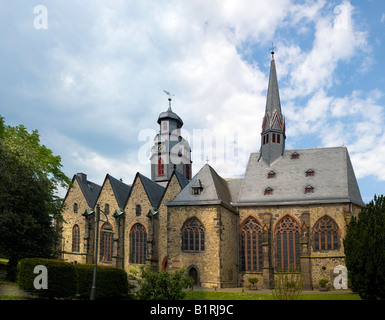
(89, 76)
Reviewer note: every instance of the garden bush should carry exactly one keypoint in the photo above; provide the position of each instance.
(111, 282)
(163, 285)
(66, 280)
(62, 278)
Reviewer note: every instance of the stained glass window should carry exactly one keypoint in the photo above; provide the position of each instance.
(251, 245)
(288, 251)
(193, 235)
(325, 234)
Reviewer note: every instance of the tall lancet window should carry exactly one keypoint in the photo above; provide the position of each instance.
(75, 238)
(251, 245)
(138, 244)
(106, 242)
(287, 234)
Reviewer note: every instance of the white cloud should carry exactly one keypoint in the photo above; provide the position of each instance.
(336, 39)
(107, 64)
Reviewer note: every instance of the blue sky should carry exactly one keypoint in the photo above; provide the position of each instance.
(89, 76)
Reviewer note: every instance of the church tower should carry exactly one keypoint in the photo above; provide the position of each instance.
(273, 125)
(170, 151)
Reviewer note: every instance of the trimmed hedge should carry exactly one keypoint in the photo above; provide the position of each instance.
(62, 278)
(111, 282)
(66, 280)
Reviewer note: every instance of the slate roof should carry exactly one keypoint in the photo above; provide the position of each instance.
(333, 181)
(181, 179)
(90, 189)
(214, 190)
(154, 191)
(169, 114)
(121, 190)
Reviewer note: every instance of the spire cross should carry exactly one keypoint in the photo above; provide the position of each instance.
(272, 49)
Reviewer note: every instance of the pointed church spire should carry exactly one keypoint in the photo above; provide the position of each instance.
(273, 103)
(273, 125)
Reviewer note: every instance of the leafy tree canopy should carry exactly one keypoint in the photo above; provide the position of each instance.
(29, 177)
(365, 250)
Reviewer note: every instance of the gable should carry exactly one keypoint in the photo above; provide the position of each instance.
(145, 190)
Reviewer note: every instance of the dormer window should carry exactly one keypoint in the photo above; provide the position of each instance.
(268, 191)
(295, 155)
(197, 187)
(309, 189)
(310, 173)
(271, 175)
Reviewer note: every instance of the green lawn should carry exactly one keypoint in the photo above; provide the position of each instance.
(215, 295)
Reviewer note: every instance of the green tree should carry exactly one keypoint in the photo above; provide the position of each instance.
(162, 285)
(365, 250)
(29, 177)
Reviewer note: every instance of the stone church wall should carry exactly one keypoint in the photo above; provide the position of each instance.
(322, 263)
(216, 263)
(75, 195)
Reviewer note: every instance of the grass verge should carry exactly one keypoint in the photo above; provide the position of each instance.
(212, 295)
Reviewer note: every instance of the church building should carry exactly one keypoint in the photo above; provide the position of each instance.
(289, 211)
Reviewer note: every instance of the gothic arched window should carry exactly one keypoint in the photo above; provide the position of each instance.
(138, 244)
(251, 245)
(325, 234)
(193, 235)
(75, 238)
(160, 167)
(288, 253)
(106, 242)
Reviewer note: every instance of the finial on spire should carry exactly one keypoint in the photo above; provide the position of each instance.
(272, 50)
(169, 98)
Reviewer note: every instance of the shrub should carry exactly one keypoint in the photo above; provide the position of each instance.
(323, 282)
(62, 278)
(111, 282)
(253, 281)
(162, 285)
(287, 285)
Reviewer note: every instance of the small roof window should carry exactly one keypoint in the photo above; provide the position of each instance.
(268, 191)
(309, 189)
(197, 187)
(295, 155)
(271, 175)
(310, 173)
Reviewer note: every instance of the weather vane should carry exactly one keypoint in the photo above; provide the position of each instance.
(169, 98)
(169, 94)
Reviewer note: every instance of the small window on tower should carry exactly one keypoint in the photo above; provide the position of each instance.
(273, 137)
(160, 167)
(271, 175)
(278, 138)
(164, 126)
